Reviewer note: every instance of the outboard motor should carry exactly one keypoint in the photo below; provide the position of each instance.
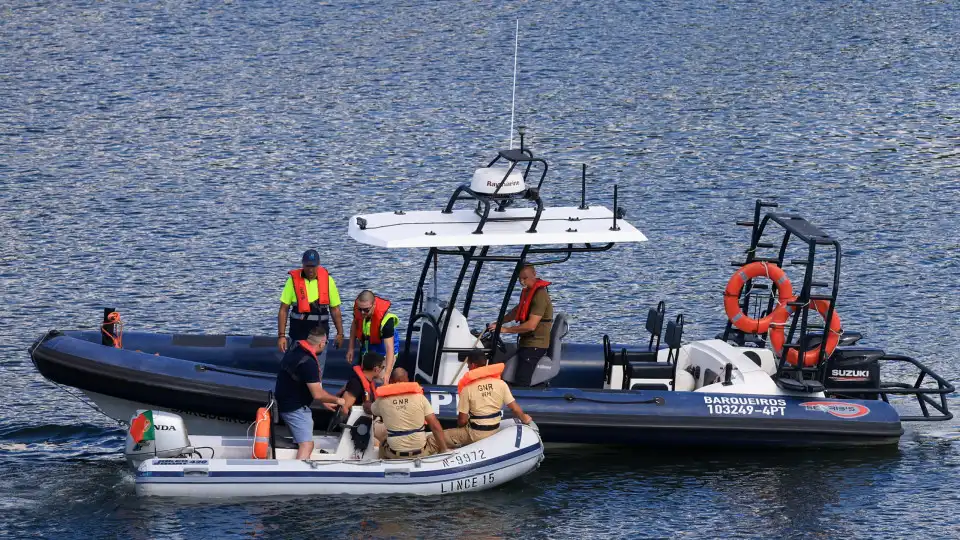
(854, 367)
(156, 434)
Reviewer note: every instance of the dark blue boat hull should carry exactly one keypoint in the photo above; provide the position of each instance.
(228, 377)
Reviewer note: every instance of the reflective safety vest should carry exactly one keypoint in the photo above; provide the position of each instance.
(491, 371)
(304, 305)
(363, 329)
(291, 369)
(526, 297)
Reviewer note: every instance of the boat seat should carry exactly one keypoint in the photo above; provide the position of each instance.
(549, 366)
(649, 370)
(654, 327)
(652, 369)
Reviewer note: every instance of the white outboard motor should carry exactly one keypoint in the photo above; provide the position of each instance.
(487, 179)
(170, 438)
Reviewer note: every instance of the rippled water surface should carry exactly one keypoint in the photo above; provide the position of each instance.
(174, 159)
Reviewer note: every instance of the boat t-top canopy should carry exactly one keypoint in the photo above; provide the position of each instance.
(500, 206)
(511, 227)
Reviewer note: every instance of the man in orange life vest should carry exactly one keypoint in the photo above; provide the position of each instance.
(534, 314)
(360, 385)
(406, 413)
(482, 397)
(360, 389)
(375, 329)
(314, 296)
(298, 385)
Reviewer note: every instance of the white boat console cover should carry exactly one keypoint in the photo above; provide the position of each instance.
(425, 229)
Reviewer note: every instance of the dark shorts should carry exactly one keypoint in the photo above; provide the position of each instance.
(300, 328)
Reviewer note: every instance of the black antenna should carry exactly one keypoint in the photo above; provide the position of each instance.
(615, 228)
(521, 130)
(583, 189)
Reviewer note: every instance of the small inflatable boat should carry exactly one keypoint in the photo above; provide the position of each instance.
(175, 464)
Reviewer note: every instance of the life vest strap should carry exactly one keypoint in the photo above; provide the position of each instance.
(291, 370)
(391, 433)
(308, 316)
(497, 414)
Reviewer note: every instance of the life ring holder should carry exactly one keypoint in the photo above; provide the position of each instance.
(731, 295)
(811, 357)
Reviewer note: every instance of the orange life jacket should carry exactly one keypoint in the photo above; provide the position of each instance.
(300, 288)
(491, 371)
(368, 387)
(292, 369)
(526, 297)
(398, 389)
(308, 347)
(380, 308)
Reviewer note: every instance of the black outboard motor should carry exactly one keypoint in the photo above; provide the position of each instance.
(853, 367)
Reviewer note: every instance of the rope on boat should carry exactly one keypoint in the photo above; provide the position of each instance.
(116, 337)
(88, 404)
(654, 401)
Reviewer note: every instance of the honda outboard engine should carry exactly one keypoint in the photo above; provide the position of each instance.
(156, 434)
(854, 367)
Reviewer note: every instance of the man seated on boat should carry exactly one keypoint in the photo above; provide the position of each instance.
(534, 315)
(406, 413)
(483, 394)
(375, 329)
(360, 385)
(298, 385)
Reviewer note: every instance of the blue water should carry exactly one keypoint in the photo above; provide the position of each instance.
(174, 159)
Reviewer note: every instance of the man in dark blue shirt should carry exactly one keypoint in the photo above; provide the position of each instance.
(298, 385)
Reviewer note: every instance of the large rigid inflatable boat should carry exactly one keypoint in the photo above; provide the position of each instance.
(773, 377)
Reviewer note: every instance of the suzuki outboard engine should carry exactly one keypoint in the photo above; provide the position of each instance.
(156, 434)
(853, 367)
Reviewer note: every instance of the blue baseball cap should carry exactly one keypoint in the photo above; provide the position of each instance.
(311, 258)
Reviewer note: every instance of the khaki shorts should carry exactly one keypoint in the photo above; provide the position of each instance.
(461, 436)
(429, 449)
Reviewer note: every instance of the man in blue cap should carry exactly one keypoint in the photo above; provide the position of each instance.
(312, 294)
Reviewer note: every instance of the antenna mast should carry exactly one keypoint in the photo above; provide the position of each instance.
(513, 102)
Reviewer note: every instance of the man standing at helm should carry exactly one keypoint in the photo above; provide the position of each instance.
(314, 298)
(375, 329)
(534, 315)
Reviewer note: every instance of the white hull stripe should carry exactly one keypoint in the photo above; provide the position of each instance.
(318, 477)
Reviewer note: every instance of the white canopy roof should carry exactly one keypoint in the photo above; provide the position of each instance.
(425, 229)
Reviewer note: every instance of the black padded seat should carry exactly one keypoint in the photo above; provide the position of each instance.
(649, 370)
(639, 355)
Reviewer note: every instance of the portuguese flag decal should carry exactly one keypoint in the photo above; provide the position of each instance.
(141, 429)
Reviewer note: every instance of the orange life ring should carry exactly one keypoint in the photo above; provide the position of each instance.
(811, 357)
(731, 295)
(261, 441)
